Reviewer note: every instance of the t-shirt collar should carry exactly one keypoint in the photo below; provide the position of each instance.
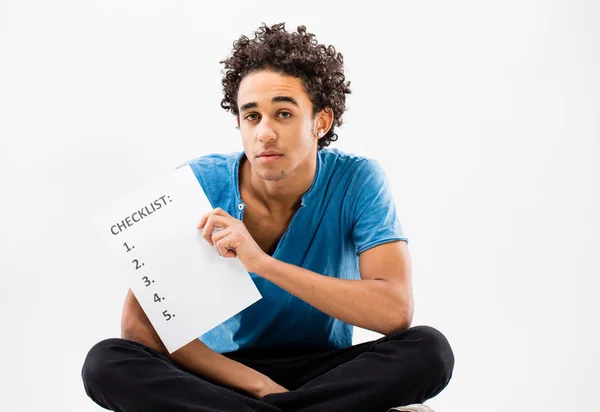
(303, 199)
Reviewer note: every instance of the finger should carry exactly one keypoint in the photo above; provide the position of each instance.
(211, 222)
(223, 245)
(217, 211)
(219, 234)
(230, 254)
(203, 219)
(221, 212)
(206, 229)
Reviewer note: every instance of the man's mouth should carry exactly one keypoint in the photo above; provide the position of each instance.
(269, 158)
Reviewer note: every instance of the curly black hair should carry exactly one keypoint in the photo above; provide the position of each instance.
(297, 54)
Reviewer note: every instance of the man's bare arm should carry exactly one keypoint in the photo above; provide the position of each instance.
(195, 356)
(136, 326)
(381, 301)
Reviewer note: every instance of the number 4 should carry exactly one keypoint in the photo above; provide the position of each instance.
(156, 298)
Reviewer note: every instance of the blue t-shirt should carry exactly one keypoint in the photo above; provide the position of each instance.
(348, 209)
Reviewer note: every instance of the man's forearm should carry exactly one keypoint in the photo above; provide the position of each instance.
(200, 359)
(367, 303)
(195, 356)
(136, 326)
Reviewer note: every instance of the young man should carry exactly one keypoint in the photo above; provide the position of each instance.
(318, 232)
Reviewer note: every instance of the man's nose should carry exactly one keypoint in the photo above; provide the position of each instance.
(265, 130)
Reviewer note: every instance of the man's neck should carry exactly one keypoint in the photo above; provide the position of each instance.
(279, 197)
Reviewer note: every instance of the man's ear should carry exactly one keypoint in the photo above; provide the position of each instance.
(324, 120)
(237, 119)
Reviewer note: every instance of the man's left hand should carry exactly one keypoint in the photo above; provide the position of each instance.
(233, 240)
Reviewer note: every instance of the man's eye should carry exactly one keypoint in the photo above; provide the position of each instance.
(287, 113)
(250, 115)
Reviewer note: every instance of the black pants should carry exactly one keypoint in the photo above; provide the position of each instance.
(407, 367)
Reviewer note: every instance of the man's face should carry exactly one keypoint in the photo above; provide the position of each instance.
(275, 114)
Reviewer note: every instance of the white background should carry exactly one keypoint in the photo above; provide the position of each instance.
(485, 117)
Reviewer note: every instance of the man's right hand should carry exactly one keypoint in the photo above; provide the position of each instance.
(270, 387)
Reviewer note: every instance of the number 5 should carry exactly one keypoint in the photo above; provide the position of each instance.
(166, 315)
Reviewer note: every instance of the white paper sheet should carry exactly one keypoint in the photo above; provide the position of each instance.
(182, 284)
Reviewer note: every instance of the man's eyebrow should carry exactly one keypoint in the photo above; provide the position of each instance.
(288, 99)
(276, 99)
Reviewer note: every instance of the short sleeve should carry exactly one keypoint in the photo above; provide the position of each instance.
(373, 210)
